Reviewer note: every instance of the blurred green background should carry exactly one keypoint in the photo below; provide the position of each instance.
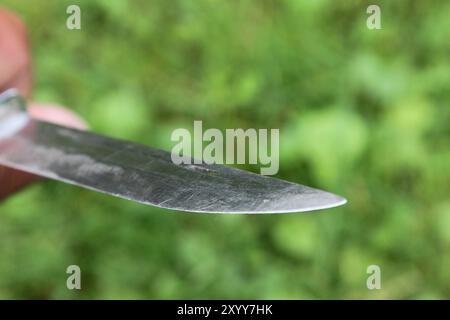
(363, 113)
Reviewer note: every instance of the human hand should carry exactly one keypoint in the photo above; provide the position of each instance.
(15, 72)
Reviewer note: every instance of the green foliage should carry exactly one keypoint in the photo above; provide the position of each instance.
(361, 112)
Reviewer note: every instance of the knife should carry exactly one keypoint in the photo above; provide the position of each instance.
(140, 173)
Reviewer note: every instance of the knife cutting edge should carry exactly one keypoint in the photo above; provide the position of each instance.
(140, 173)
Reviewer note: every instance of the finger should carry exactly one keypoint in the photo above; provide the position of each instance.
(15, 61)
(56, 114)
(13, 181)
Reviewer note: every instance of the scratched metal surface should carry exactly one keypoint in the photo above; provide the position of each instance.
(144, 174)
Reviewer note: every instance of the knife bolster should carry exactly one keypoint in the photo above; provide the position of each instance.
(13, 115)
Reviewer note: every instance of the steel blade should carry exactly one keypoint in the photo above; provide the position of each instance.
(143, 174)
